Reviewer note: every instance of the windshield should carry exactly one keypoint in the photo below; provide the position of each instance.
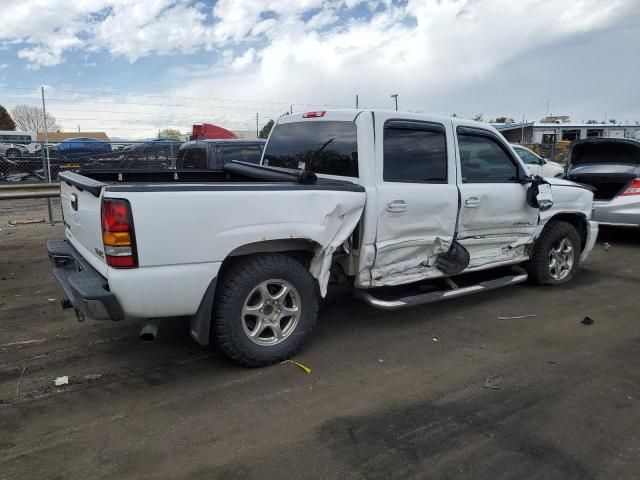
(527, 156)
(316, 146)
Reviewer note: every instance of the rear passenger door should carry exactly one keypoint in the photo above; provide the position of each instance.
(495, 221)
(417, 198)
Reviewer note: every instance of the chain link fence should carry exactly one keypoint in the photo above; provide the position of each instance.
(29, 162)
(557, 152)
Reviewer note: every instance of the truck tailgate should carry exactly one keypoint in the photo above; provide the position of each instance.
(80, 199)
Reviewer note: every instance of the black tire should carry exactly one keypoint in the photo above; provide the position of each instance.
(538, 266)
(13, 153)
(234, 288)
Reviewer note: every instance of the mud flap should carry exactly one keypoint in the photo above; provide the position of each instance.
(200, 328)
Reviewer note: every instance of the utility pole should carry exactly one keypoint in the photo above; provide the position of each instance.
(522, 131)
(357, 101)
(290, 109)
(395, 97)
(546, 113)
(46, 167)
(78, 128)
(257, 132)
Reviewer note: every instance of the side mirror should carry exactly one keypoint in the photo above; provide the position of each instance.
(543, 161)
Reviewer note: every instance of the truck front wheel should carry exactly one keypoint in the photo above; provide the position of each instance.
(556, 254)
(266, 308)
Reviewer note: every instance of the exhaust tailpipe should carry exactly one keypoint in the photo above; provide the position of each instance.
(149, 333)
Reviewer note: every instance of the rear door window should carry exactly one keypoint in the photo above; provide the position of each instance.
(194, 158)
(243, 153)
(417, 155)
(318, 146)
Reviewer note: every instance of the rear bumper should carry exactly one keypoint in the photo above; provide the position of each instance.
(85, 288)
(624, 210)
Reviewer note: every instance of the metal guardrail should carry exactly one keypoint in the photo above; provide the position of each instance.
(29, 190)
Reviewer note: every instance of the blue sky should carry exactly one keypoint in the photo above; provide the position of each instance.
(171, 63)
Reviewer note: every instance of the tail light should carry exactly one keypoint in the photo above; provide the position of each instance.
(117, 233)
(314, 114)
(633, 188)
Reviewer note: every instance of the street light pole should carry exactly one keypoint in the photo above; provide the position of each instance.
(395, 97)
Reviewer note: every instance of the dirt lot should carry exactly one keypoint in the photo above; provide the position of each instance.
(391, 395)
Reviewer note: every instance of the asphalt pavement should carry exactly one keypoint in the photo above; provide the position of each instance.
(443, 391)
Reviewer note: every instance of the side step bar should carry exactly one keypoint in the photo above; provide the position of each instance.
(431, 297)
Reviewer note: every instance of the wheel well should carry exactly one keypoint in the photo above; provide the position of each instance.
(299, 248)
(578, 220)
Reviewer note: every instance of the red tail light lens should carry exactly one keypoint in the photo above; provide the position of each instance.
(633, 188)
(117, 233)
(314, 114)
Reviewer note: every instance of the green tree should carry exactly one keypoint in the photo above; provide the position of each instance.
(266, 130)
(170, 134)
(504, 120)
(6, 122)
(613, 121)
(592, 122)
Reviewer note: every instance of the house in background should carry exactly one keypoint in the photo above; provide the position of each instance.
(543, 133)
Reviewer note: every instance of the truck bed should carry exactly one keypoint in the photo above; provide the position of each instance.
(235, 176)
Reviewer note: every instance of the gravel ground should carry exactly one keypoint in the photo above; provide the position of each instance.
(391, 394)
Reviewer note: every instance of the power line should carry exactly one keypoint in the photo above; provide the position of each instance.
(70, 100)
(150, 121)
(409, 107)
(215, 99)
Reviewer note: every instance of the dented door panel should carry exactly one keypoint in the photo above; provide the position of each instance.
(417, 204)
(495, 221)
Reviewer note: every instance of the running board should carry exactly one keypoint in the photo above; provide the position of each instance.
(432, 297)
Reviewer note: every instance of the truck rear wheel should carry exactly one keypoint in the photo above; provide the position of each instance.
(265, 310)
(555, 255)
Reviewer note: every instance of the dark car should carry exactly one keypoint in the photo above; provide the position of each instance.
(159, 153)
(612, 167)
(153, 149)
(214, 154)
(82, 148)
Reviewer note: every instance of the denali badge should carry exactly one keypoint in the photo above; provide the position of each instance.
(74, 201)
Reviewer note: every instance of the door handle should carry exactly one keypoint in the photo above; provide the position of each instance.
(471, 202)
(396, 206)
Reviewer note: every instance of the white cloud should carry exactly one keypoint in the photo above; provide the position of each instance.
(310, 51)
(3, 66)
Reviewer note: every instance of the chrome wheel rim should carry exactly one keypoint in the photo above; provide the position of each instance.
(561, 258)
(271, 312)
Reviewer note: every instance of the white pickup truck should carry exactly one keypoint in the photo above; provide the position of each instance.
(375, 199)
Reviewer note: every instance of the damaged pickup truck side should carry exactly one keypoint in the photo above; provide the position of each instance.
(407, 209)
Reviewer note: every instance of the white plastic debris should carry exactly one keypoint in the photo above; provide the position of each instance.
(58, 382)
(51, 299)
(93, 376)
(517, 317)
